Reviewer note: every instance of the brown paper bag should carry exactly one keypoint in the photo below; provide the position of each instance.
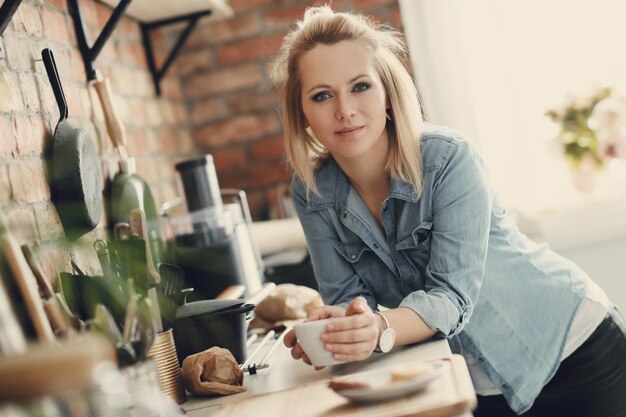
(213, 371)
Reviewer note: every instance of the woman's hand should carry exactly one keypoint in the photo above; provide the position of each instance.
(324, 312)
(352, 336)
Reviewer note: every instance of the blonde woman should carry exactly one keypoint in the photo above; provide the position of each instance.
(401, 213)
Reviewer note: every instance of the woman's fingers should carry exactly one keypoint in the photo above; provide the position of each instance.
(363, 334)
(351, 322)
(290, 339)
(326, 312)
(350, 351)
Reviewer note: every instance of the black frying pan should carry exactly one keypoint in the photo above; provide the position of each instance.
(76, 181)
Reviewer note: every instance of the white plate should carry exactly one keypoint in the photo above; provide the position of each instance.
(381, 389)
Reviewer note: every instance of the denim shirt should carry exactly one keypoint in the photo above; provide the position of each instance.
(454, 257)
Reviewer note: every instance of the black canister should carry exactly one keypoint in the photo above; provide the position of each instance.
(200, 183)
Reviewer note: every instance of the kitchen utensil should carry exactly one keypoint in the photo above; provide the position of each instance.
(451, 394)
(146, 328)
(203, 324)
(128, 190)
(54, 312)
(171, 292)
(27, 285)
(262, 343)
(12, 340)
(75, 172)
(137, 221)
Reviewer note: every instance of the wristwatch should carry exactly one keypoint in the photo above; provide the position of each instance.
(386, 338)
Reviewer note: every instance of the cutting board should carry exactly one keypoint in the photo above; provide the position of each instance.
(450, 394)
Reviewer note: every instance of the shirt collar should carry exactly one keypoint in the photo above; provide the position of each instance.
(333, 187)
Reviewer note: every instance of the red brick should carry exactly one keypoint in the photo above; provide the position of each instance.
(171, 88)
(103, 13)
(16, 51)
(138, 144)
(257, 204)
(74, 103)
(363, 5)
(90, 15)
(181, 114)
(223, 81)
(212, 33)
(249, 50)
(29, 92)
(192, 62)
(59, 4)
(226, 159)
(28, 181)
(132, 54)
(10, 93)
(268, 149)
(129, 29)
(205, 111)
(78, 66)
(237, 129)
(166, 140)
(21, 224)
(56, 27)
(186, 144)
(245, 5)
(24, 135)
(5, 186)
(48, 102)
(53, 259)
(253, 101)
(254, 176)
(8, 145)
(136, 115)
(283, 18)
(395, 18)
(26, 19)
(48, 221)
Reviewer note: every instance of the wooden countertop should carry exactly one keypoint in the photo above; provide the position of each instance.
(285, 373)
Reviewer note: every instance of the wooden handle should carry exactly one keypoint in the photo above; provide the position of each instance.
(55, 314)
(137, 220)
(44, 286)
(116, 129)
(231, 293)
(26, 282)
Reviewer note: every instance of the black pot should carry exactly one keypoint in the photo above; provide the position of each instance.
(201, 325)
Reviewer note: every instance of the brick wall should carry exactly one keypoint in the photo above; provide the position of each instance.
(158, 128)
(224, 76)
(216, 99)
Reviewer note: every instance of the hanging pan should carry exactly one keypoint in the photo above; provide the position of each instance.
(76, 181)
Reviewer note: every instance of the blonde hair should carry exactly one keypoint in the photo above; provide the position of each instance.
(321, 25)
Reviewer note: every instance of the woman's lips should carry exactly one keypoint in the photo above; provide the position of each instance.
(349, 130)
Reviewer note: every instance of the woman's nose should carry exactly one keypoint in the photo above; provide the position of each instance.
(345, 109)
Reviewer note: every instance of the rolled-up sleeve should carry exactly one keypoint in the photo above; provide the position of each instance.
(461, 207)
(337, 280)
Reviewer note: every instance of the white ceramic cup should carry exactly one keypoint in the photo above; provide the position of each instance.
(308, 335)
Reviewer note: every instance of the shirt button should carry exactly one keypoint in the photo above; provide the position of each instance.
(353, 257)
(376, 246)
(344, 215)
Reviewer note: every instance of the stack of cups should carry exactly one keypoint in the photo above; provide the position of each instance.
(163, 352)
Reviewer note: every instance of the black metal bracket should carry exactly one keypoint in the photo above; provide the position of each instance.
(90, 53)
(147, 28)
(7, 10)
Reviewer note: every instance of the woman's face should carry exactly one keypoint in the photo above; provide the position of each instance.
(344, 100)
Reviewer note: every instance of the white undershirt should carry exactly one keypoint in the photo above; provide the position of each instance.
(592, 310)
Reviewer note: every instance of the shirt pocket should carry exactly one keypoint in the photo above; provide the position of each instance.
(415, 246)
(367, 265)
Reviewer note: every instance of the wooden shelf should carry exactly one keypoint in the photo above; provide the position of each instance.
(149, 11)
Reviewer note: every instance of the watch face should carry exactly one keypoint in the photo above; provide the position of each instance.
(387, 340)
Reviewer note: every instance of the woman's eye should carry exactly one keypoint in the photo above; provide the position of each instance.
(361, 87)
(321, 96)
